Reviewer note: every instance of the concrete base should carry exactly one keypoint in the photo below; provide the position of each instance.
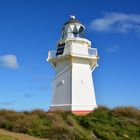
(82, 112)
(70, 108)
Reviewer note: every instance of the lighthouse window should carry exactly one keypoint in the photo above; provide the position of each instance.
(75, 34)
(61, 45)
(75, 30)
(69, 35)
(81, 29)
(60, 49)
(62, 35)
(81, 32)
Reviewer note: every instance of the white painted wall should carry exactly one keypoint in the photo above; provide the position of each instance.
(62, 87)
(62, 64)
(83, 95)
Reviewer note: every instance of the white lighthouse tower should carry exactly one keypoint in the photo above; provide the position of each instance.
(73, 60)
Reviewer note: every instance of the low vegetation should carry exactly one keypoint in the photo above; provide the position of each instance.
(103, 124)
(4, 137)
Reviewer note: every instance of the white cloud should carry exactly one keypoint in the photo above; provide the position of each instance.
(118, 22)
(9, 61)
(7, 103)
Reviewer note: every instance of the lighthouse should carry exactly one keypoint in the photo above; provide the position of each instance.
(73, 61)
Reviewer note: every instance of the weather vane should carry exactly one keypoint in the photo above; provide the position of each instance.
(72, 16)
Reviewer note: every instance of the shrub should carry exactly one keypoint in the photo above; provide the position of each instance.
(21, 125)
(32, 125)
(130, 112)
(2, 121)
(67, 129)
(4, 137)
(8, 125)
(37, 128)
(39, 113)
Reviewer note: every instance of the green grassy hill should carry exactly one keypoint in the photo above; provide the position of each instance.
(103, 124)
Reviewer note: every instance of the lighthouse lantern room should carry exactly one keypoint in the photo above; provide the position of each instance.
(73, 60)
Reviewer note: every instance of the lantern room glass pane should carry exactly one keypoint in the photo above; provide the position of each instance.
(73, 31)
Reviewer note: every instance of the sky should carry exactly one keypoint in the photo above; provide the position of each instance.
(30, 28)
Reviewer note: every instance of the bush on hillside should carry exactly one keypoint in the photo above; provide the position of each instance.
(129, 112)
(106, 124)
(103, 124)
(65, 127)
(4, 137)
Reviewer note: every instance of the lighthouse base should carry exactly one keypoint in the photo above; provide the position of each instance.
(75, 109)
(81, 112)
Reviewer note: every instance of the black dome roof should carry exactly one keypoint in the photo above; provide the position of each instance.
(72, 20)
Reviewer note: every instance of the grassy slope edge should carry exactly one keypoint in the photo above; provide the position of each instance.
(5, 137)
(121, 123)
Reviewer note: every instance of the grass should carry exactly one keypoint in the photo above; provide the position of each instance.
(4, 137)
(17, 136)
(103, 124)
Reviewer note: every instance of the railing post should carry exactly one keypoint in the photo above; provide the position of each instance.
(70, 49)
(49, 54)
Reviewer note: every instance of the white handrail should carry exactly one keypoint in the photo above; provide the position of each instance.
(75, 50)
